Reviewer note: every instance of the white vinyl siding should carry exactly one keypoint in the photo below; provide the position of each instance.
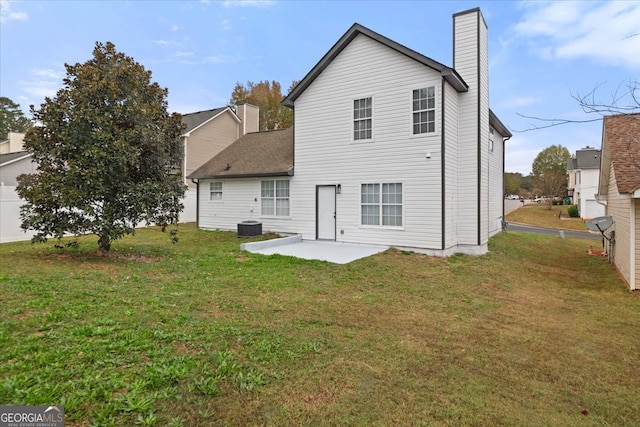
(619, 207)
(274, 197)
(325, 156)
(473, 132)
(241, 203)
(215, 190)
(424, 110)
(363, 119)
(381, 204)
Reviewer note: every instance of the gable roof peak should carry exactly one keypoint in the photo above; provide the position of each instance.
(449, 74)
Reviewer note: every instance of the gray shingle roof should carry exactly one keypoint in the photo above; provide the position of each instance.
(255, 154)
(588, 158)
(193, 120)
(6, 158)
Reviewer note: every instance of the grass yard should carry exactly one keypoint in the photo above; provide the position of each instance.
(539, 214)
(200, 334)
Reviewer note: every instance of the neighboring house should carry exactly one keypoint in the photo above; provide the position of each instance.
(13, 144)
(388, 147)
(14, 164)
(619, 189)
(209, 132)
(584, 171)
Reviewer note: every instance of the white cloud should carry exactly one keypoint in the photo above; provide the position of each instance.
(248, 3)
(48, 73)
(521, 101)
(6, 14)
(226, 25)
(40, 83)
(604, 31)
(40, 88)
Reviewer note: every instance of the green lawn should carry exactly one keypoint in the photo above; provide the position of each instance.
(534, 333)
(543, 215)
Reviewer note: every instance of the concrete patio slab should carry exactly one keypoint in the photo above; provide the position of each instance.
(335, 252)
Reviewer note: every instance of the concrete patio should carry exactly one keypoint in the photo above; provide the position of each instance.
(335, 252)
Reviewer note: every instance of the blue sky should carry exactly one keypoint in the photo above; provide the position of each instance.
(541, 53)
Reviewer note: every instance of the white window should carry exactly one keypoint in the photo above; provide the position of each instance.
(215, 190)
(381, 204)
(274, 195)
(491, 139)
(362, 122)
(424, 110)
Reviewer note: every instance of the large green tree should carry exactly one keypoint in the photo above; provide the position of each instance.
(549, 170)
(268, 96)
(12, 119)
(512, 182)
(108, 153)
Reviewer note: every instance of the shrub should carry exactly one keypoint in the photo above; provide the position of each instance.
(573, 211)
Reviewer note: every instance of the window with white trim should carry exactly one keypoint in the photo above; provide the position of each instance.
(491, 139)
(362, 119)
(424, 110)
(274, 197)
(215, 190)
(381, 204)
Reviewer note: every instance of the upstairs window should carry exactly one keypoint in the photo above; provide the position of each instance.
(424, 110)
(274, 196)
(215, 191)
(362, 124)
(491, 135)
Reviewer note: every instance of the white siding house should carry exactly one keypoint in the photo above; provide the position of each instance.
(584, 173)
(403, 151)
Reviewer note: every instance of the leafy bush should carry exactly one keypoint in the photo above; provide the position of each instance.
(573, 211)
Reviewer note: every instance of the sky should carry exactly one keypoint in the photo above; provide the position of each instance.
(542, 54)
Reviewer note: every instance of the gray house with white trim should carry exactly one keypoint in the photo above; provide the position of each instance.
(388, 147)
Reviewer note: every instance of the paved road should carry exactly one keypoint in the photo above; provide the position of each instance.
(511, 205)
(567, 233)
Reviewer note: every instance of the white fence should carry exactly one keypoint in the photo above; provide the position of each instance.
(10, 203)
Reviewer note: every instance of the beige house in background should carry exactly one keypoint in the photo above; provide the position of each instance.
(13, 144)
(619, 189)
(209, 132)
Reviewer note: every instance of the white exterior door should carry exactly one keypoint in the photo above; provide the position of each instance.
(326, 212)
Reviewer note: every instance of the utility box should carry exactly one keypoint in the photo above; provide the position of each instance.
(249, 228)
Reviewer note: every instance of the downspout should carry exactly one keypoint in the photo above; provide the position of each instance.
(443, 193)
(504, 145)
(197, 183)
(184, 162)
(632, 246)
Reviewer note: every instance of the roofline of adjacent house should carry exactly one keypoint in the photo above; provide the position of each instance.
(188, 134)
(498, 125)
(17, 159)
(450, 75)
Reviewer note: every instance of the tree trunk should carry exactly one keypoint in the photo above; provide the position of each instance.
(104, 244)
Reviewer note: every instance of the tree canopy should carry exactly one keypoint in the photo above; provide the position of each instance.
(266, 95)
(108, 153)
(12, 119)
(549, 170)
